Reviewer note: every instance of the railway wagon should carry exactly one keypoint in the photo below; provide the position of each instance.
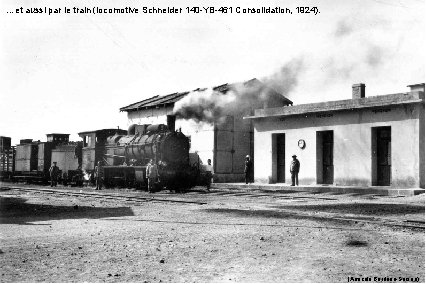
(7, 158)
(5, 143)
(33, 159)
(69, 159)
(27, 160)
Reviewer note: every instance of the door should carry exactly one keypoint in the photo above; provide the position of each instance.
(327, 157)
(281, 158)
(384, 156)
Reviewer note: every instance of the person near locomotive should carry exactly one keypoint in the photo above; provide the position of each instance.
(248, 164)
(209, 173)
(54, 172)
(78, 178)
(152, 175)
(294, 170)
(99, 175)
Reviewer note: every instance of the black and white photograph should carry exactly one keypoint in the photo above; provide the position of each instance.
(148, 141)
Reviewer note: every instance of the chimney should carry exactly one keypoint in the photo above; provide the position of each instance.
(358, 91)
(417, 87)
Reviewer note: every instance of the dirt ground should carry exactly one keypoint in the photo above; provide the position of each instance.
(228, 236)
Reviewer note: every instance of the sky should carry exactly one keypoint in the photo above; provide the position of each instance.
(69, 73)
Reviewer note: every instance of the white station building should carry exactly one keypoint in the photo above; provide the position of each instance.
(363, 141)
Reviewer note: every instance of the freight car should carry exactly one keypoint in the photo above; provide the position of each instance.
(30, 160)
(125, 155)
(7, 158)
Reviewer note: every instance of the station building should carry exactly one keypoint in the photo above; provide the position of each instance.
(363, 141)
(225, 142)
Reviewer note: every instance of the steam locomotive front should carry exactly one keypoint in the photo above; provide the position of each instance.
(174, 148)
(169, 149)
(173, 162)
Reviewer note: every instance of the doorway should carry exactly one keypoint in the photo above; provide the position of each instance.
(381, 155)
(325, 163)
(280, 158)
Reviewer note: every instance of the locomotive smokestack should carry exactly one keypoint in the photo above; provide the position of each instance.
(171, 122)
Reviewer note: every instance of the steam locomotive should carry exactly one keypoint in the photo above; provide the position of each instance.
(125, 156)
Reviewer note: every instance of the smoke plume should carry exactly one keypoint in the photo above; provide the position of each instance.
(343, 28)
(354, 53)
(351, 37)
(213, 104)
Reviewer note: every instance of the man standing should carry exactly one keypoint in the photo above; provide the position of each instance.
(99, 175)
(54, 172)
(78, 177)
(151, 175)
(294, 170)
(209, 173)
(247, 169)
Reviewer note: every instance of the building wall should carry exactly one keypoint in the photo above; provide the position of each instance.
(149, 116)
(225, 143)
(352, 145)
(233, 141)
(201, 136)
(422, 145)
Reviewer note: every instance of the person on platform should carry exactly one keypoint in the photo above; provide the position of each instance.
(209, 173)
(294, 170)
(152, 175)
(99, 175)
(247, 169)
(54, 173)
(78, 178)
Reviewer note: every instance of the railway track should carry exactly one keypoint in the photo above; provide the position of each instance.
(103, 195)
(409, 224)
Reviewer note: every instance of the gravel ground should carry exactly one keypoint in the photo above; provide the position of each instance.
(235, 236)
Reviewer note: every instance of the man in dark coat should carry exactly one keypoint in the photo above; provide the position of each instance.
(294, 170)
(54, 172)
(247, 169)
(99, 175)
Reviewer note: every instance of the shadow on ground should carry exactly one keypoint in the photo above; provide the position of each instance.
(242, 213)
(15, 210)
(359, 208)
(279, 191)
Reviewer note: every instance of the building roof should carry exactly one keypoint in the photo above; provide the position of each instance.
(341, 105)
(417, 85)
(107, 130)
(57, 134)
(157, 101)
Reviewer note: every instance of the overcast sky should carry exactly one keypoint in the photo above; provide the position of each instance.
(68, 73)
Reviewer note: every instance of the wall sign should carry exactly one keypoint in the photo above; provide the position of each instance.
(301, 143)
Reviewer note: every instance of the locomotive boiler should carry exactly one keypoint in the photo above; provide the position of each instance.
(145, 142)
(125, 156)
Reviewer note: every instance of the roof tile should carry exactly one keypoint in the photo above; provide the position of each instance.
(172, 98)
